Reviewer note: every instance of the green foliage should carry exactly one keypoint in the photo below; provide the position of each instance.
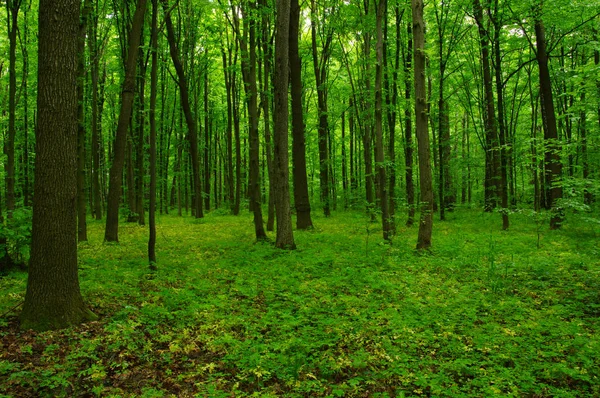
(17, 233)
(485, 313)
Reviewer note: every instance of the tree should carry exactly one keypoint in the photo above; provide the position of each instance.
(380, 6)
(153, 84)
(301, 195)
(53, 298)
(285, 236)
(421, 117)
(111, 233)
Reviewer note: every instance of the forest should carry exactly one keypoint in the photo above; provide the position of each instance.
(299, 198)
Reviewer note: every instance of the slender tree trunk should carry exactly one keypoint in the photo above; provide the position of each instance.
(53, 299)
(426, 218)
(81, 188)
(379, 151)
(285, 237)
(408, 140)
(492, 179)
(187, 111)
(552, 162)
(139, 156)
(301, 197)
(12, 12)
(152, 115)
(128, 91)
(320, 69)
(96, 145)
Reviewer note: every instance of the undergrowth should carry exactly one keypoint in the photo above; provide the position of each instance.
(484, 313)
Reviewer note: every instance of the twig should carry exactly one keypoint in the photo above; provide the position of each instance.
(11, 310)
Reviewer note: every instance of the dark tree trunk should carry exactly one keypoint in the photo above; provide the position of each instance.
(552, 162)
(187, 111)
(492, 153)
(502, 150)
(320, 67)
(207, 146)
(152, 115)
(12, 10)
(96, 145)
(127, 94)
(426, 207)
(301, 197)
(139, 155)
(408, 140)
(81, 188)
(285, 236)
(379, 150)
(247, 44)
(53, 299)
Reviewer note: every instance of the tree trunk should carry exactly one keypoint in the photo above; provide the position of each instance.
(96, 145)
(187, 111)
(53, 299)
(152, 115)
(552, 162)
(301, 197)
(128, 91)
(320, 67)
(139, 156)
(408, 141)
(379, 151)
(285, 237)
(492, 150)
(426, 207)
(12, 10)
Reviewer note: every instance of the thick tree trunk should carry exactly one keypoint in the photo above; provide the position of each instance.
(426, 183)
(552, 162)
(301, 197)
(53, 299)
(285, 236)
(111, 233)
(187, 111)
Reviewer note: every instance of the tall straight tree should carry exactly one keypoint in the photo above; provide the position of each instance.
(380, 10)
(96, 145)
(421, 117)
(152, 115)
(285, 236)
(81, 188)
(190, 119)
(247, 43)
(301, 196)
(12, 12)
(321, 67)
(408, 135)
(53, 299)
(552, 163)
(111, 233)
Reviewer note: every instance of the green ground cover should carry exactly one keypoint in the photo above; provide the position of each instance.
(485, 313)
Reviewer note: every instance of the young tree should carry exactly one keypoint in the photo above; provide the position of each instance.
(152, 115)
(285, 237)
(53, 299)
(421, 117)
(111, 233)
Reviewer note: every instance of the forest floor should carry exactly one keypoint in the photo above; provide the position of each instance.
(484, 313)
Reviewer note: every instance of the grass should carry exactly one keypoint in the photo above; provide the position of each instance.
(484, 313)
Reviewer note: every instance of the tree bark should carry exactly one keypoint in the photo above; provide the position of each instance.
(190, 120)
(53, 299)
(111, 233)
(552, 161)
(408, 140)
(285, 237)
(152, 115)
(301, 196)
(426, 207)
(379, 151)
